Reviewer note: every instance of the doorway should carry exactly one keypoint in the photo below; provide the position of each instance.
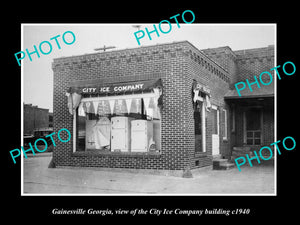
(200, 132)
(253, 122)
(215, 131)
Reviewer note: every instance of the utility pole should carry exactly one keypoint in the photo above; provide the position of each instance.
(104, 48)
(137, 26)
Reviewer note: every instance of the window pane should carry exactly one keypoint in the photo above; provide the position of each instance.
(81, 124)
(257, 134)
(198, 143)
(257, 141)
(215, 122)
(224, 123)
(249, 141)
(103, 129)
(197, 120)
(250, 134)
(98, 133)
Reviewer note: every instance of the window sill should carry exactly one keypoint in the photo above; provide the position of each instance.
(116, 154)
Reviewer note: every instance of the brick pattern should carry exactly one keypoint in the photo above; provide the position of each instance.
(226, 58)
(34, 118)
(166, 62)
(177, 64)
(218, 86)
(253, 62)
(268, 125)
(241, 65)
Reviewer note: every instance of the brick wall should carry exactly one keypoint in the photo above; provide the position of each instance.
(243, 64)
(268, 125)
(35, 118)
(226, 58)
(208, 73)
(252, 62)
(161, 61)
(178, 65)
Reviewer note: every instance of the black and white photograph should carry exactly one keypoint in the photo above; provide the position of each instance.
(151, 113)
(136, 113)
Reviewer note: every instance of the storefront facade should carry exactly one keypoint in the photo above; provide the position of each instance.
(154, 107)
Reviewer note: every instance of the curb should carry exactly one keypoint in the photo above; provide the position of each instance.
(46, 154)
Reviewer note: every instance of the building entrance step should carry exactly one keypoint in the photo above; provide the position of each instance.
(240, 152)
(222, 164)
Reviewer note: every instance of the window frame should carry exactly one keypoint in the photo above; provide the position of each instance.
(115, 97)
(225, 132)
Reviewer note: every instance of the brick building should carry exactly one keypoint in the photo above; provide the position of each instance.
(252, 114)
(185, 95)
(34, 118)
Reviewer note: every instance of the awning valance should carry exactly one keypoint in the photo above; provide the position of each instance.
(108, 93)
(100, 89)
(120, 104)
(197, 88)
(256, 92)
(200, 87)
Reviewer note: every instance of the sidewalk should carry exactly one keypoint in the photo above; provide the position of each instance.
(39, 179)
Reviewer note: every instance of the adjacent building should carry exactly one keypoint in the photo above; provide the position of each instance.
(34, 118)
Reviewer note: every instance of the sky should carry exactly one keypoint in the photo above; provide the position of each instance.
(37, 75)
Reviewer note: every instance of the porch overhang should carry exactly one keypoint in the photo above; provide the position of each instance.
(262, 92)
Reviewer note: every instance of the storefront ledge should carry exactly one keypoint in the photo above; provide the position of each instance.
(154, 172)
(117, 154)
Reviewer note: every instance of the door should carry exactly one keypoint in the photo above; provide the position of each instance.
(253, 122)
(215, 131)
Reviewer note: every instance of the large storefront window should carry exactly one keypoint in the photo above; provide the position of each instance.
(119, 123)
